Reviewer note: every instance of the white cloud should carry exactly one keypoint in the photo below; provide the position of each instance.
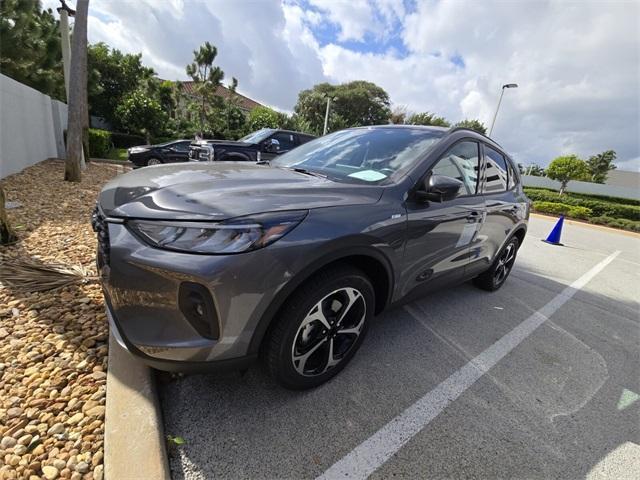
(576, 63)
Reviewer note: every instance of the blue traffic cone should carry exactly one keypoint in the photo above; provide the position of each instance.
(554, 236)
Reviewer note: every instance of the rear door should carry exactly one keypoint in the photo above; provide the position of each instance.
(440, 234)
(501, 207)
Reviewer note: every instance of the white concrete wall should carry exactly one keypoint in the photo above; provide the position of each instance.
(31, 126)
(583, 187)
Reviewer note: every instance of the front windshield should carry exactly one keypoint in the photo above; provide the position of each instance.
(362, 155)
(257, 137)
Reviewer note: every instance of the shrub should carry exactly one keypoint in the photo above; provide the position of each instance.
(616, 223)
(99, 143)
(605, 207)
(125, 140)
(579, 212)
(551, 207)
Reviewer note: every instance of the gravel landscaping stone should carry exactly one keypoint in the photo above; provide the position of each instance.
(53, 345)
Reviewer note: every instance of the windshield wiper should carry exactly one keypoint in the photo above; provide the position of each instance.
(306, 172)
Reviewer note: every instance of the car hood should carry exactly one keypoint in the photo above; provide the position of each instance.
(228, 143)
(218, 191)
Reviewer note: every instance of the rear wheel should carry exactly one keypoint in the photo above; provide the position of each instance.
(153, 161)
(494, 278)
(320, 328)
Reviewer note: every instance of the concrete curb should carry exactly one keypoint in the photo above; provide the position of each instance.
(134, 444)
(124, 163)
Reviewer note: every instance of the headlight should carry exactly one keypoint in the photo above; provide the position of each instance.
(230, 236)
(138, 149)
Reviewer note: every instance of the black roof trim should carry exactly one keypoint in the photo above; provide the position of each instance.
(467, 129)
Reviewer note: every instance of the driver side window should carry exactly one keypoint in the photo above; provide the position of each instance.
(462, 163)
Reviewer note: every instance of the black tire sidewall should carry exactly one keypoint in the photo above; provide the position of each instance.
(296, 311)
(515, 242)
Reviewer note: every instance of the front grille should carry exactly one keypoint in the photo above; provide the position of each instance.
(102, 230)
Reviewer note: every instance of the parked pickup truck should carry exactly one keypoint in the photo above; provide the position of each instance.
(262, 145)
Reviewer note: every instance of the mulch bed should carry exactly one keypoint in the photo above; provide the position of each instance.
(53, 345)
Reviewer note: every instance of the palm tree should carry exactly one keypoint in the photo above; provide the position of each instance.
(206, 77)
(77, 94)
(6, 233)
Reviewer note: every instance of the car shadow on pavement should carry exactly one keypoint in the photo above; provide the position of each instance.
(552, 407)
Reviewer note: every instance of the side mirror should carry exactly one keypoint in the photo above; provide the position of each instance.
(440, 188)
(272, 145)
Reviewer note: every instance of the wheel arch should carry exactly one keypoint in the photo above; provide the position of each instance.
(372, 262)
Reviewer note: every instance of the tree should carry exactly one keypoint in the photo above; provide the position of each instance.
(112, 77)
(206, 77)
(398, 115)
(599, 165)
(427, 118)
(263, 117)
(139, 113)
(567, 168)
(476, 125)
(535, 170)
(77, 94)
(6, 232)
(30, 44)
(352, 104)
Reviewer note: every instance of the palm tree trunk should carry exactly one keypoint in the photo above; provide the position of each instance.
(6, 233)
(77, 94)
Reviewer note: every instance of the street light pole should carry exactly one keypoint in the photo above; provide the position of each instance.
(507, 85)
(326, 116)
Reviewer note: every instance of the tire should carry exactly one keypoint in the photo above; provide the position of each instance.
(494, 278)
(153, 161)
(306, 346)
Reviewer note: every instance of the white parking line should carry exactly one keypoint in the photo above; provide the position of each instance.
(371, 454)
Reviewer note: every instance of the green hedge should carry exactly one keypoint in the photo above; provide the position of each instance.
(99, 143)
(616, 223)
(605, 207)
(126, 140)
(562, 209)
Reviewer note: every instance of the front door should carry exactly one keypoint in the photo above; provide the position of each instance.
(284, 141)
(439, 234)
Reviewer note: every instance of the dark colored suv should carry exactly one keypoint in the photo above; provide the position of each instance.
(260, 146)
(213, 265)
(169, 152)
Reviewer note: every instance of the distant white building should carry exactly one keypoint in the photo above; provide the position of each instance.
(623, 178)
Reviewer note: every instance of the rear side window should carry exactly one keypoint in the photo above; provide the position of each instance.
(460, 162)
(513, 177)
(496, 172)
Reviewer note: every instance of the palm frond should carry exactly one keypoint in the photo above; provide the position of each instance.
(34, 276)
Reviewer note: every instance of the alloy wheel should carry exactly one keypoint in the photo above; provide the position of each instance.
(328, 332)
(153, 161)
(505, 263)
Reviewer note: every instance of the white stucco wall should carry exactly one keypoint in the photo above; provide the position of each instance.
(583, 187)
(31, 126)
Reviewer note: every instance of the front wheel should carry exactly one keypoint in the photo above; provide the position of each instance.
(320, 328)
(153, 161)
(494, 278)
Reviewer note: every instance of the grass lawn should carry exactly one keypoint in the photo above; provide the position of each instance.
(117, 154)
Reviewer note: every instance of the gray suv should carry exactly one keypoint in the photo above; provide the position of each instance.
(214, 265)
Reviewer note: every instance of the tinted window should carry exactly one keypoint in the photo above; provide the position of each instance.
(287, 140)
(182, 146)
(257, 136)
(513, 178)
(362, 155)
(461, 162)
(496, 171)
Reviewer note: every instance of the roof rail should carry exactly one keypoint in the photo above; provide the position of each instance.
(455, 129)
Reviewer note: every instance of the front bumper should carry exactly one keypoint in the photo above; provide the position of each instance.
(142, 288)
(231, 364)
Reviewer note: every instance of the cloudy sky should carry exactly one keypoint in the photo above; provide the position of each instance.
(577, 63)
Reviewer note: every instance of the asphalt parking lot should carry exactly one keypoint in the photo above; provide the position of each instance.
(537, 380)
